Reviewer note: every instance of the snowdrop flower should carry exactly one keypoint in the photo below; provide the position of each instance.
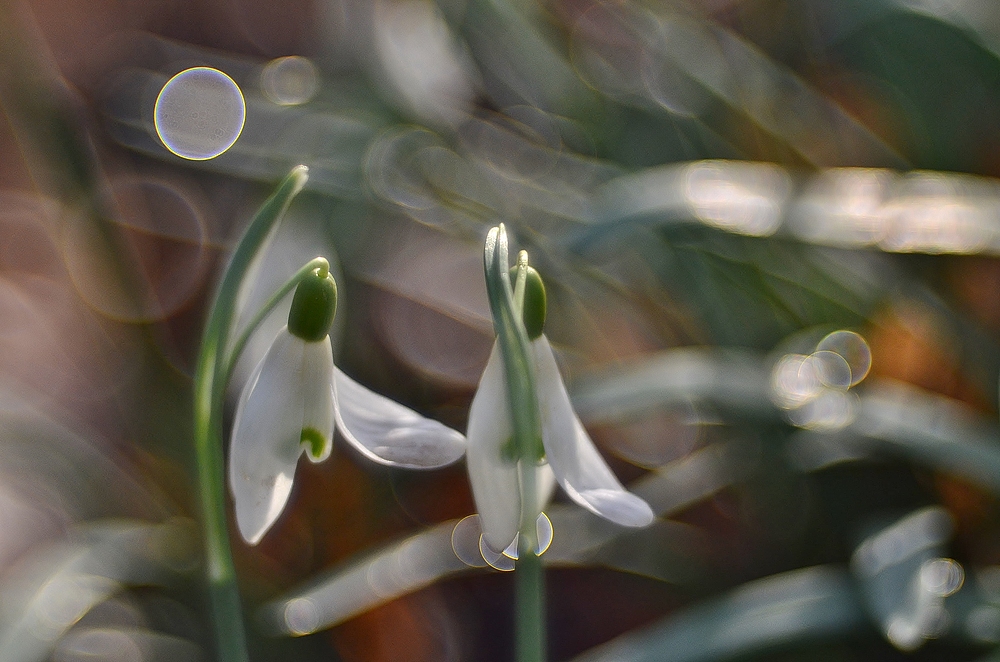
(291, 402)
(565, 446)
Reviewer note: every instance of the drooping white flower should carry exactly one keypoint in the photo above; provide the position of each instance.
(286, 409)
(574, 460)
(289, 406)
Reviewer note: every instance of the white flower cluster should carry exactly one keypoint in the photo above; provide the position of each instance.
(296, 395)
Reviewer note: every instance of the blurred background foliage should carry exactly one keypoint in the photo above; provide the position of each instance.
(710, 189)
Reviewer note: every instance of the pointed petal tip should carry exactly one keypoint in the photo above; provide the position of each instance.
(427, 446)
(618, 506)
(258, 503)
(389, 433)
(250, 536)
(250, 524)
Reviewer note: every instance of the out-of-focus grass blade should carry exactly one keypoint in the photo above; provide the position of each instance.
(707, 58)
(914, 60)
(919, 212)
(810, 604)
(511, 49)
(384, 575)
(580, 539)
(40, 603)
(904, 578)
(732, 380)
(939, 432)
(890, 417)
(751, 292)
(580, 536)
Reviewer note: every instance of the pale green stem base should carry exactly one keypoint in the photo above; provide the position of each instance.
(530, 626)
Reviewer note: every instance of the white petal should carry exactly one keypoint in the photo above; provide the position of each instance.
(266, 435)
(545, 485)
(389, 433)
(578, 467)
(493, 477)
(317, 405)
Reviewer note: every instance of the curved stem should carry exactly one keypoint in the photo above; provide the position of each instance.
(209, 393)
(318, 264)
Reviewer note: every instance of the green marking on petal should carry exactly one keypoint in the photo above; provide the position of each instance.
(315, 440)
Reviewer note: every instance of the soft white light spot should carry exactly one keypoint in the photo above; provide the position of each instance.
(398, 163)
(853, 348)
(934, 213)
(738, 198)
(63, 600)
(843, 206)
(794, 381)
(382, 576)
(289, 81)
(831, 410)
(903, 634)
(301, 617)
(942, 577)
(199, 113)
(465, 541)
(831, 369)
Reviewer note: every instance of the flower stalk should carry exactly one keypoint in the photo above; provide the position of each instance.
(211, 375)
(514, 347)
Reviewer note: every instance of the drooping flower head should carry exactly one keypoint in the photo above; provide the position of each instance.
(494, 459)
(291, 402)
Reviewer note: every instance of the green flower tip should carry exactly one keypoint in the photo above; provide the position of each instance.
(534, 300)
(299, 175)
(313, 306)
(314, 442)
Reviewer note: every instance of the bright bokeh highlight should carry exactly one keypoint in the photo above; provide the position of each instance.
(199, 113)
(289, 81)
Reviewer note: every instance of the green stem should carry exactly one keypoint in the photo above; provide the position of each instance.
(209, 395)
(530, 627)
(530, 630)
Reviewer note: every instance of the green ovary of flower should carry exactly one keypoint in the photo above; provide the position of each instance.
(313, 307)
(534, 302)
